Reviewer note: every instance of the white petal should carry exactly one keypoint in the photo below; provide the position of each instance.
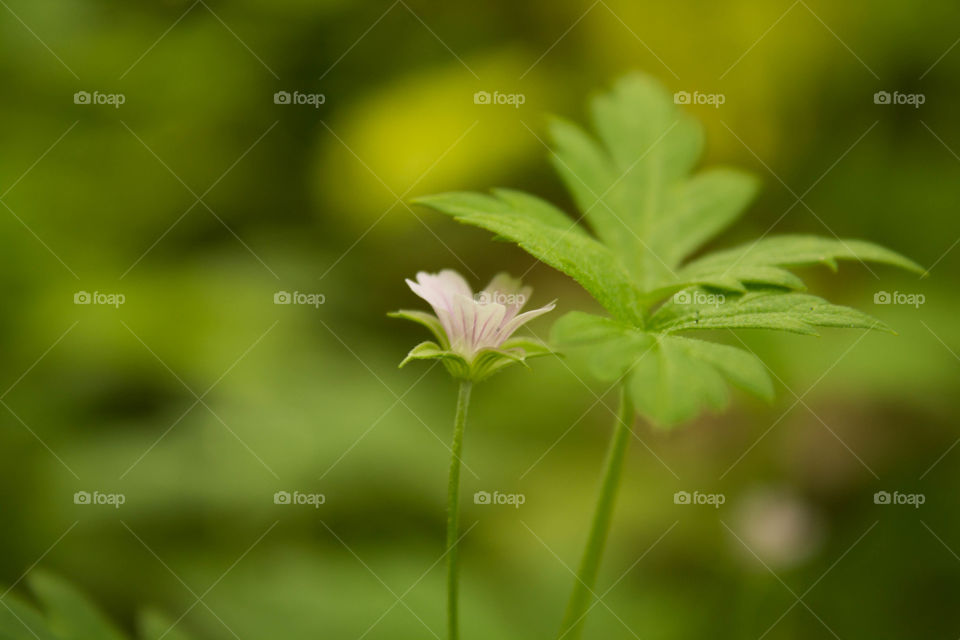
(440, 288)
(463, 318)
(515, 323)
(508, 291)
(453, 282)
(489, 319)
(474, 325)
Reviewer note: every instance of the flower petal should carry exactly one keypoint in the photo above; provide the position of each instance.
(515, 323)
(471, 331)
(462, 319)
(474, 325)
(508, 291)
(488, 320)
(439, 289)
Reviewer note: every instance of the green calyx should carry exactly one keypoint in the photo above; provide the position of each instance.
(482, 364)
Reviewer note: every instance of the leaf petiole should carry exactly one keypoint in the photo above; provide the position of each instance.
(580, 598)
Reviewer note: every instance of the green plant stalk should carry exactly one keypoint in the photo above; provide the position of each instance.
(582, 595)
(453, 512)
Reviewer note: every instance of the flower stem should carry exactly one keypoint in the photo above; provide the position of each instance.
(580, 599)
(453, 512)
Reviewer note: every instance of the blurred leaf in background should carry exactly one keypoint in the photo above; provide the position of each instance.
(200, 198)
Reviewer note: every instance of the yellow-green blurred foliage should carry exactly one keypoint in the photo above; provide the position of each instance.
(198, 398)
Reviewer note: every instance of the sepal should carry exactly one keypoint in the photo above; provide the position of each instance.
(485, 363)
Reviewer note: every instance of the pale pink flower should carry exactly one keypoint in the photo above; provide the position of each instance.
(471, 322)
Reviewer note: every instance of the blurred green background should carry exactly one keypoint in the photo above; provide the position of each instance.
(198, 398)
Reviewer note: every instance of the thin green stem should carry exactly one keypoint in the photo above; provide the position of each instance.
(453, 512)
(580, 599)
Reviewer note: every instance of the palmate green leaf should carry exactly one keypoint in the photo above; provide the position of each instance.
(632, 184)
(647, 211)
(669, 385)
(701, 207)
(654, 364)
(737, 279)
(550, 236)
(793, 312)
(741, 368)
(613, 347)
(578, 328)
(797, 251)
(676, 379)
(633, 188)
(763, 263)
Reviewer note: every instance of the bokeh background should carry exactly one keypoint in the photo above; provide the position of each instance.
(198, 398)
